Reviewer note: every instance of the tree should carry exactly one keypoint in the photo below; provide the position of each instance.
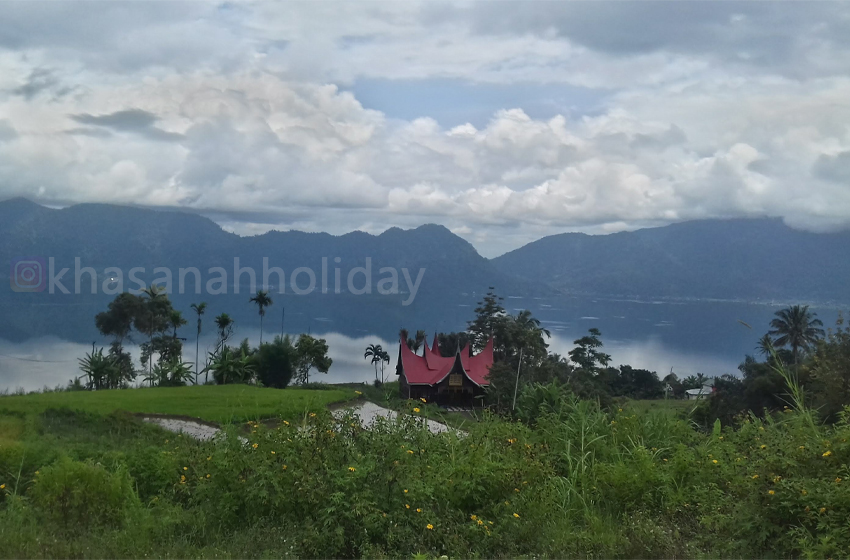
(199, 309)
(152, 318)
(170, 374)
(100, 371)
(275, 362)
(225, 330)
(489, 322)
(830, 371)
(375, 352)
(797, 328)
(229, 366)
(262, 300)
(765, 346)
(117, 321)
(311, 353)
(414, 343)
(586, 354)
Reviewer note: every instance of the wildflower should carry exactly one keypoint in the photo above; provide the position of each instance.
(209, 458)
(507, 503)
(802, 447)
(255, 445)
(312, 415)
(827, 454)
(619, 410)
(516, 489)
(423, 400)
(755, 476)
(804, 493)
(286, 423)
(284, 467)
(516, 515)
(837, 480)
(429, 527)
(357, 393)
(613, 422)
(418, 510)
(473, 517)
(771, 492)
(721, 437)
(351, 469)
(525, 482)
(714, 461)
(410, 451)
(776, 479)
(665, 460)
(185, 468)
(208, 475)
(480, 522)
(407, 506)
(822, 510)
(405, 490)
(416, 409)
(2, 486)
(764, 446)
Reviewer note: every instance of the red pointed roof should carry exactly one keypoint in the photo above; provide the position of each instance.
(431, 367)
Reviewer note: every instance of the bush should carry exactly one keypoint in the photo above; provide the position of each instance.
(75, 495)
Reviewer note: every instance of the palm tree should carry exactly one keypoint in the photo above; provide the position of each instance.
(175, 320)
(796, 327)
(383, 358)
(199, 309)
(262, 300)
(765, 346)
(225, 329)
(376, 352)
(154, 295)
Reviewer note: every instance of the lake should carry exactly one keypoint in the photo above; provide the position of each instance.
(41, 340)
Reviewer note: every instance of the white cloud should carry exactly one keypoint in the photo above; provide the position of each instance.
(235, 108)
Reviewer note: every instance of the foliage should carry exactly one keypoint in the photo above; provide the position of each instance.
(796, 327)
(276, 362)
(378, 356)
(311, 353)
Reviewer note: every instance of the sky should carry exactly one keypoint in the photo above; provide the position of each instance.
(502, 121)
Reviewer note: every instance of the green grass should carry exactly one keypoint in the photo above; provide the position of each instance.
(673, 406)
(214, 403)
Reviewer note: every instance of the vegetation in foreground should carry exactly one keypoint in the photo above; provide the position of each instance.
(574, 481)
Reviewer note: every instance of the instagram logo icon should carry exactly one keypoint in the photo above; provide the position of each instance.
(28, 274)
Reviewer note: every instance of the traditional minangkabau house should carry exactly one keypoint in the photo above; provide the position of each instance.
(455, 380)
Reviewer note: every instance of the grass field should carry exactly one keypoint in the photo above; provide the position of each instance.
(673, 406)
(214, 403)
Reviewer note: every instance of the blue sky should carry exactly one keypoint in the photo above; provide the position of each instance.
(503, 121)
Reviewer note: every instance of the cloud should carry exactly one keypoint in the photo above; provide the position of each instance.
(250, 112)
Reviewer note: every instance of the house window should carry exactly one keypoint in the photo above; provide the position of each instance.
(455, 380)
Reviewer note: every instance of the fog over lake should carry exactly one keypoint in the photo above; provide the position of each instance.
(691, 337)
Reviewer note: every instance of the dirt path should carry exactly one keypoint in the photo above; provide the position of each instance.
(203, 431)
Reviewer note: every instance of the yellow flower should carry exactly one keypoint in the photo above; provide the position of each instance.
(516, 515)
(351, 469)
(822, 510)
(755, 476)
(273, 453)
(838, 479)
(407, 506)
(429, 527)
(285, 422)
(423, 400)
(802, 447)
(418, 510)
(473, 517)
(410, 451)
(208, 458)
(405, 490)
(284, 467)
(516, 489)
(480, 522)
(771, 492)
(764, 446)
(208, 476)
(714, 461)
(357, 393)
(255, 445)
(416, 409)
(2, 486)
(827, 454)
(312, 415)
(185, 468)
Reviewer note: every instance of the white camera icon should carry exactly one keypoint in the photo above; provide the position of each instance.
(28, 274)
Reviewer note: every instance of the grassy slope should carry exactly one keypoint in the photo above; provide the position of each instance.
(215, 403)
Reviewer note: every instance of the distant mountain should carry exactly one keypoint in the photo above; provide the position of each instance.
(117, 236)
(742, 259)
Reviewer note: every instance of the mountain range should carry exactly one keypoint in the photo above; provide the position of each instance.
(740, 259)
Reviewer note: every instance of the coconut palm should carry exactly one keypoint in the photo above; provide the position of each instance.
(225, 329)
(796, 327)
(262, 300)
(765, 346)
(199, 309)
(375, 351)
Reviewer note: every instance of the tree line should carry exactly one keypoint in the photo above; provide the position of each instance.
(150, 318)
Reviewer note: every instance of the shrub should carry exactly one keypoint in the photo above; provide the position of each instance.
(74, 494)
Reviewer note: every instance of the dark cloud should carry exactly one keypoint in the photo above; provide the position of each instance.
(134, 121)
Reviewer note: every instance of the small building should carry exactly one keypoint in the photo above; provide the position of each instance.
(703, 392)
(456, 380)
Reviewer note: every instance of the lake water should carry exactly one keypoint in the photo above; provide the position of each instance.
(691, 337)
